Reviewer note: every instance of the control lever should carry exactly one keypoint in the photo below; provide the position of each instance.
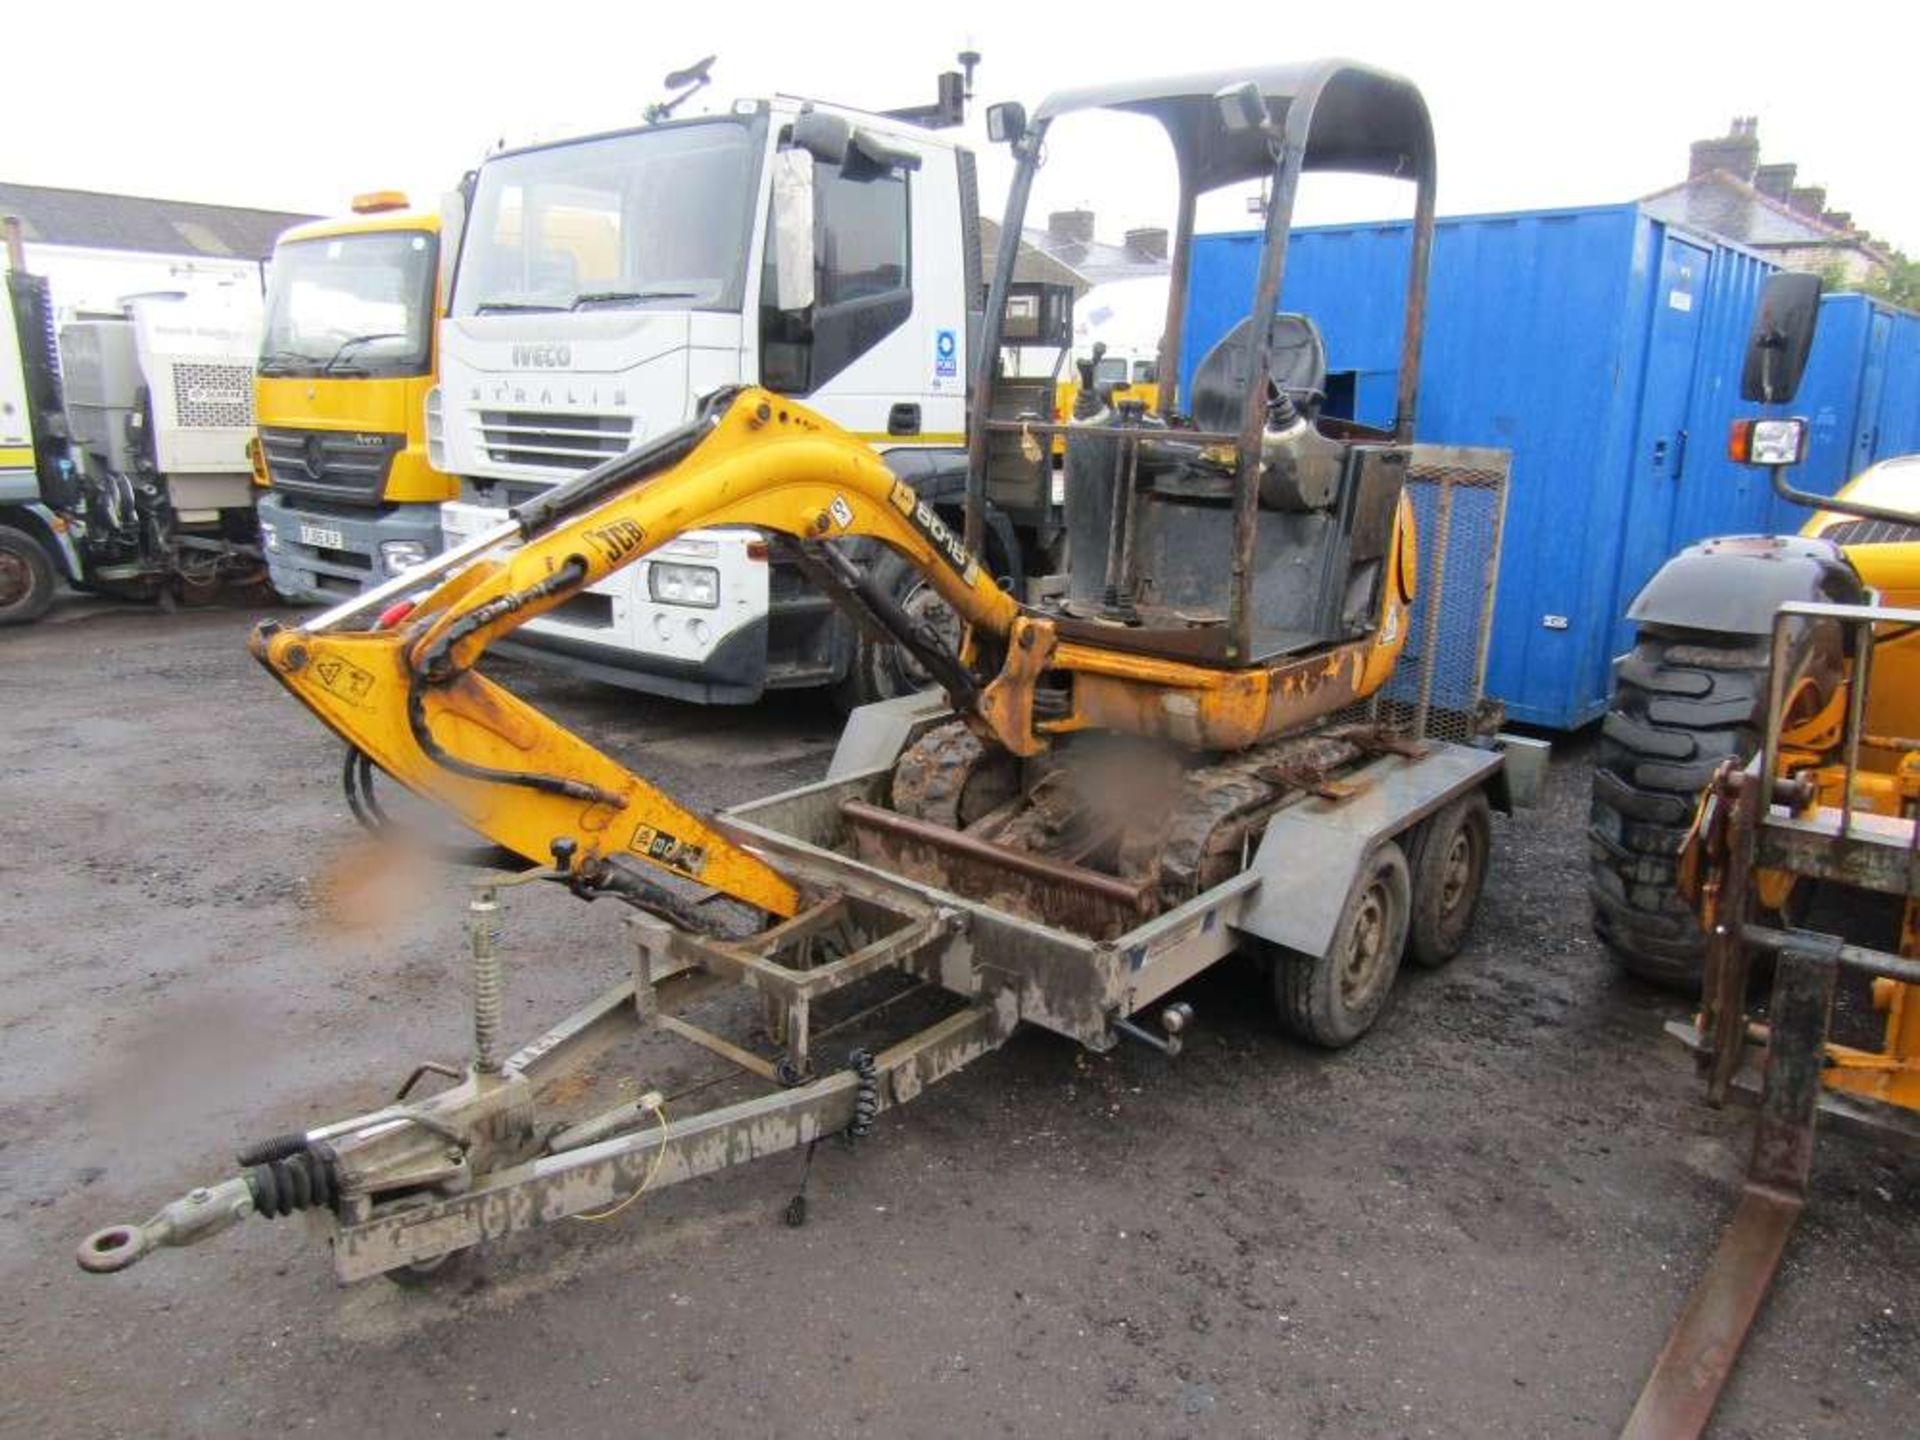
(1089, 401)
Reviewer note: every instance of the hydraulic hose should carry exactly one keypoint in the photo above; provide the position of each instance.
(435, 667)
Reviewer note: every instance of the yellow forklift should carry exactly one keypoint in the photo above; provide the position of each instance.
(1826, 810)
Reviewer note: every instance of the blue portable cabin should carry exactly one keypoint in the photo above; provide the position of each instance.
(1603, 348)
(1861, 392)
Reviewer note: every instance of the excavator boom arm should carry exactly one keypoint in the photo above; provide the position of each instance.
(409, 698)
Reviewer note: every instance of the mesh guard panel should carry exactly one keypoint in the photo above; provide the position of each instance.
(1459, 499)
(213, 397)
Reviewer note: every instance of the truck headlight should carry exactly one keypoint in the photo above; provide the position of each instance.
(684, 584)
(399, 556)
(269, 540)
(436, 431)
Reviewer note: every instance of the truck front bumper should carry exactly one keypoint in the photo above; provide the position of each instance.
(319, 558)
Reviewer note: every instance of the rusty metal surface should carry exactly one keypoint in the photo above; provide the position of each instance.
(1693, 1367)
(1723, 989)
(1051, 891)
(1803, 985)
(1863, 958)
(1874, 852)
(1699, 1355)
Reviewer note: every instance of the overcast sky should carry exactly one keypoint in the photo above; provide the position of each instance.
(1538, 104)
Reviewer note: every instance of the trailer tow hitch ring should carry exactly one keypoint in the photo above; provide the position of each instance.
(201, 1212)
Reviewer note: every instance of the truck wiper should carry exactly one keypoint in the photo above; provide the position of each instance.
(280, 361)
(627, 297)
(501, 307)
(353, 340)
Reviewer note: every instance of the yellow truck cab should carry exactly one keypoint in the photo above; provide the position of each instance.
(347, 358)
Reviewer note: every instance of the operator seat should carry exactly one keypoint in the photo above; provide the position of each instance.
(1298, 370)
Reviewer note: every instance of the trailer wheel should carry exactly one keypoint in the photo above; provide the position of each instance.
(27, 579)
(1682, 704)
(437, 1273)
(1449, 866)
(1332, 1000)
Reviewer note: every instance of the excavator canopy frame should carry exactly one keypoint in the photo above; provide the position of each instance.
(1327, 115)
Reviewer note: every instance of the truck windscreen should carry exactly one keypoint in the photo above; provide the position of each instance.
(651, 219)
(351, 305)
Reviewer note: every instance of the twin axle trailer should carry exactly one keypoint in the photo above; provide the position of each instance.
(1363, 830)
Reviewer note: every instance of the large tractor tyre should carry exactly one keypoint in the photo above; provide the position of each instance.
(1683, 703)
(1449, 860)
(1333, 1000)
(27, 578)
(882, 670)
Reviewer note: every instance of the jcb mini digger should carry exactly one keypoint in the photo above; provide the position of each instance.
(1207, 737)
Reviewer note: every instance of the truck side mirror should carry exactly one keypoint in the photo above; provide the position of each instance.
(1242, 107)
(869, 157)
(453, 222)
(1006, 122)
(1781, 338)
(792, 237)
(824, 137)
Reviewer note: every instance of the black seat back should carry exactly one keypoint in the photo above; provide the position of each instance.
(1299, 369)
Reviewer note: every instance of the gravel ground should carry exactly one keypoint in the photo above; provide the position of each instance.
(1479, 1222)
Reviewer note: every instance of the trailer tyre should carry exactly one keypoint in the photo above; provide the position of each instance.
(1333, 1000)
(1449, 867)
(1683, 702)
(27, 578)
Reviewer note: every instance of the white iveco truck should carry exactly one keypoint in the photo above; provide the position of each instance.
(604, 284)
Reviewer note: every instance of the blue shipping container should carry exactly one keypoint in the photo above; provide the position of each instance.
(1603, 348)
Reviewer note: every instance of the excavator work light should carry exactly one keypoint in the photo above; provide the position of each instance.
(1768, 442)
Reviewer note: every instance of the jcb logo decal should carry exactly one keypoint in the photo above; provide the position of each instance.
(621, 538)
(924, 518)
(669, 850)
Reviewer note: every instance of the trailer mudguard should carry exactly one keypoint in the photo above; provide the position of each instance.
(1310, 857)
(1733, 585)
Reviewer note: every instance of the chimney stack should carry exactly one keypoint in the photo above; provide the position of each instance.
(1808, 199)
(1070, 227)
(1774, 181)
(1148, 243)
(1737, 152)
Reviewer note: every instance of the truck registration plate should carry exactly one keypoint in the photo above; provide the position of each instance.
(322, 538)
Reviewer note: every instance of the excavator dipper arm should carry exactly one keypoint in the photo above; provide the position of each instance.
(408, 695)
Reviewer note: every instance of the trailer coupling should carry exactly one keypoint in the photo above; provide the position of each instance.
(507, 1146)
(203, 1211)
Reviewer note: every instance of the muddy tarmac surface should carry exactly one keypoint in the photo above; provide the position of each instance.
(1479, 1222)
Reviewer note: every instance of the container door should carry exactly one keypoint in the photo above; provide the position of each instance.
(1661, 442)
(1873, 382)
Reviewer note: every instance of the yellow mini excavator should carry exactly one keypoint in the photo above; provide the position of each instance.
(1201, 739)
